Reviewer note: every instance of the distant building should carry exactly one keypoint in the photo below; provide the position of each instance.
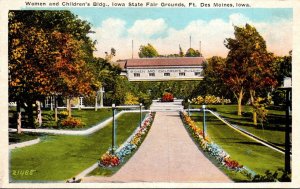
(158, 69)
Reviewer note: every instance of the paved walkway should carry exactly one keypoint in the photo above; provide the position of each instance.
(168, 154)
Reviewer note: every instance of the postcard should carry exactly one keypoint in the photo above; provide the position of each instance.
(188, 94)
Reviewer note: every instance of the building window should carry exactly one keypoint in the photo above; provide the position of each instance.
(166, 74)
(181, 74)
(197, 74)
(152, 74)
(136, 74)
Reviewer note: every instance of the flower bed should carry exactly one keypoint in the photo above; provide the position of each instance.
(210, 99)
(167, 97)
(212, 149)
(111, 160)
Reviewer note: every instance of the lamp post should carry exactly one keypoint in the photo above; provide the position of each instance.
(189, 102)
(204, 123)
(113, 129)
(287, 87)
(101, 96)
(141, 114)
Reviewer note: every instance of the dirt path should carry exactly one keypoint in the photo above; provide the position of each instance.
(168, 154)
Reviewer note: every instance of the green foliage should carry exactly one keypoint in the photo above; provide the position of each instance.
(260, 107)
(180, 89)
(278, 97)
(212, 82)
(145, 99)
(210, 99)
(273, 177)
(283, 67)
(147, 51)
(130, 99)
(192, 53)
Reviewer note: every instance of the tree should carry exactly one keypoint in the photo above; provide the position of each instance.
(73, 76)
(111, 55)
(248, 65)
(147, 51)
(48, 54)
(181, 54)
(192, 53)
(212, 82)
(283, 67)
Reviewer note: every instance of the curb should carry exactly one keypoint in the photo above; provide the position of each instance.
(24, 144)
(72, 132)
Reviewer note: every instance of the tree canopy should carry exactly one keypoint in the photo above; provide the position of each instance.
(192, 53)
(48, 54)
(248, 65)
(147, 51)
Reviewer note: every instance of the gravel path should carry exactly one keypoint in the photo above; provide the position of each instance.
(168, 154)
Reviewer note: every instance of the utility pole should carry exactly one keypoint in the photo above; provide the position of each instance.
(200, 48)
(132, 50)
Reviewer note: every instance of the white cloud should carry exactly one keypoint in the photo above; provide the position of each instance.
(238, 19)
(147, 28)
(113, 33)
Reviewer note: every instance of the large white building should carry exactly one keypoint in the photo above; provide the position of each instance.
(158, 69)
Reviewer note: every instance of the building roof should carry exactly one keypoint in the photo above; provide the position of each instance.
(165, 62)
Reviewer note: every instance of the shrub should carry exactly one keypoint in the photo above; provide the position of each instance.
(72, 122)
(273, 177)
(210, 99)
(145, 99)
(63, 114)
(130, 99)
(109, 160)
(167, 97)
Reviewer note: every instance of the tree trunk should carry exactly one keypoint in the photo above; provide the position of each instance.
(240, 98)
(79, 104)
(39, 113)
(222, 100)
(254, 114)
(69, 108)
(19, 120)
(96, 104)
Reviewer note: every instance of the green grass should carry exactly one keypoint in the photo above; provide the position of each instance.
(101, 171)
(62, 157)
(89, 117)
(271, 131)
(246, 151)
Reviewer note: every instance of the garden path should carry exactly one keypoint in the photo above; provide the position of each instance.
(168, 154)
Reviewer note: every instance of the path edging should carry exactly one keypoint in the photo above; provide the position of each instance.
(72, 132)
(24, 144)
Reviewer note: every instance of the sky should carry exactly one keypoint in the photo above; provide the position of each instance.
(166, 29)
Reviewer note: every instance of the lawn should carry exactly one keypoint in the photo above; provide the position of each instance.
(271, 131)
(246, 151)
(60, 157)
(89, 117)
